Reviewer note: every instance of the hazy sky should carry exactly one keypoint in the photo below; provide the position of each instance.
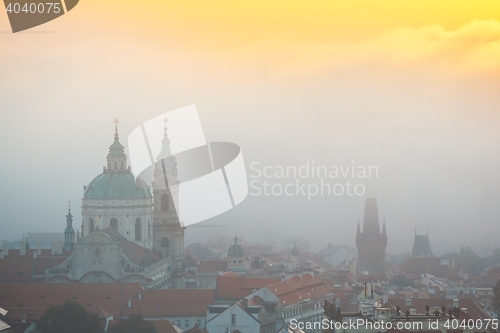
(408, 86)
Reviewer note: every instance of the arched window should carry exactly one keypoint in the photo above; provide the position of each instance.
(138, 228)
(121, 167)
(164, 203)
(164, 242)
(91, 225)
(116, 166)
(114, 224)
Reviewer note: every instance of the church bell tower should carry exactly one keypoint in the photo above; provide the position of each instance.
(168, 233)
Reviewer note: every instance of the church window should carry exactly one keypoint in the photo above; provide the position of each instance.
(234, 261)
(164, 242)
(239, 261)
(116, 166)
(233, 319)
(91, 225)
(121, 167)
(114, 224)
(138, 229)
(164, 203)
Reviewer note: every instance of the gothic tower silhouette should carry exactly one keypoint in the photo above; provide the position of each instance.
(371, 242)
(168, 233)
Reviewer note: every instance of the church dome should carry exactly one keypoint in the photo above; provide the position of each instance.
(116, 182)
(116, 185)
(235, 250)
(257, 263)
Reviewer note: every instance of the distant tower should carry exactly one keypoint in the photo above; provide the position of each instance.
(371, 242)
(69, 232)
(236, 257)
(168, 234)
(421, 246)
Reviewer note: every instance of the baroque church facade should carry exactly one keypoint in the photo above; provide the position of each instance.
(129, 232)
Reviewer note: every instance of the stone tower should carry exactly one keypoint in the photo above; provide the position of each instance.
(421, 246)
(371, 242)
(69, 232)
(168, 233)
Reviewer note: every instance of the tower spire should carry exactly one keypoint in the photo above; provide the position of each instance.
(69, 232)
(165, 147)
(117, 160)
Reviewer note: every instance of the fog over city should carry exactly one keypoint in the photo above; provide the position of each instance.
(436, 153)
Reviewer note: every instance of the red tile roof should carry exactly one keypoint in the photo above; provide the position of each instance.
(111, 297)
(163, 326)
(172, 302)
(17, 268)
(298, 289)
(135, 253)
(233, 286)
(473, 310)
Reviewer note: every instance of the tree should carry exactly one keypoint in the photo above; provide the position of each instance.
(496, 298)
(402, 281)
(69, 317)
(133, 324)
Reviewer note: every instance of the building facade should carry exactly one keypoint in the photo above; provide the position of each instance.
(121, 213)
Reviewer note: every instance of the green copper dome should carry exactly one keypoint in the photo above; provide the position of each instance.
(116, 185)
(235, 250)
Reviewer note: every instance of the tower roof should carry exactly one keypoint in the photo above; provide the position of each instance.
(235, 250)
(116, 149)
(371, 224)
(165, 144)
(421, 247)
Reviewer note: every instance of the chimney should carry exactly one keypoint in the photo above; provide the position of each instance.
(22, 247)
(5, 248)
(408, 302)
(39, 249)
(129, 304)
(455, 302)
(464, 310)
(140, 295)
(56, 247)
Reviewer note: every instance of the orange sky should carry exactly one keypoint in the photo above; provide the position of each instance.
(296, 35)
